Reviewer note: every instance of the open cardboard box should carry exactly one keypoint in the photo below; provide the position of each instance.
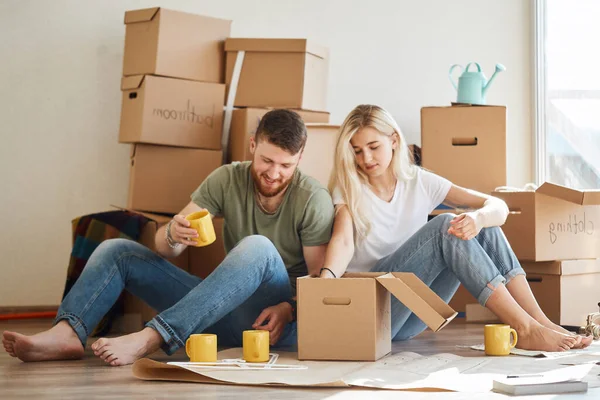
(350, 318)
(553, 223)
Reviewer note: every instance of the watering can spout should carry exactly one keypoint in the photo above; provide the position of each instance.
(499, 68)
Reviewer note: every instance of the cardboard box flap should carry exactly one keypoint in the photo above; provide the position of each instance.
(419, 298)
(132, 82)
(582, 197)
(158, 218)
(276, 45)
(144, 15)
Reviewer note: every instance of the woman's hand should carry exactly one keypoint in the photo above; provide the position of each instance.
(464, 226)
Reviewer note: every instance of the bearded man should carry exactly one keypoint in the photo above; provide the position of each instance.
(277, 223)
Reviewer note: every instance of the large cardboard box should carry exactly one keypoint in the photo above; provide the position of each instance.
(162, 178)
(454, 136)
(173, 112)
(349, 318)
(317, 158)
(283, 73)
(553, 223)
(244, 122)
(567, 291)
(204, 260)
(176, 44)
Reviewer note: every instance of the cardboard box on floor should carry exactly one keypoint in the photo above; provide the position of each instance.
(567, 291)
(553, 223)
(162, 178)
(176, 44)
(173, 112)
(204, 260)
(452, 136)
(349, 318)
(284, 73)
(244, 122)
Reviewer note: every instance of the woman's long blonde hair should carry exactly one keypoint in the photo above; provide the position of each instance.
(348, 178)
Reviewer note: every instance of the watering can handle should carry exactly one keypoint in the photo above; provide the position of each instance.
(477, 64)
(450, 75)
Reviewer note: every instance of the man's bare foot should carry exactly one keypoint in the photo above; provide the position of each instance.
(538, 337)
(57, 343)
(127, 349)
(582, 341)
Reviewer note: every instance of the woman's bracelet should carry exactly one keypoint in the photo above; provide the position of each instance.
(320, 272)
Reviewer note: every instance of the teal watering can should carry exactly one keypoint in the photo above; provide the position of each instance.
(472, 85)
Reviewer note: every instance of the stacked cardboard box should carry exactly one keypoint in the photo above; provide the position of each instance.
(280, 73)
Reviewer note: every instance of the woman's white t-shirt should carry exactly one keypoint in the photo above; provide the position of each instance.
(395, 222)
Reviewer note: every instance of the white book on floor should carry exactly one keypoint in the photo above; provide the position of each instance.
(532, 385)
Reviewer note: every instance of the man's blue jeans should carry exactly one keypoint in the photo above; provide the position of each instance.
(251, 278)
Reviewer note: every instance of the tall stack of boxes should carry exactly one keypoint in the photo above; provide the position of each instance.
(173, 93)
(554, 231)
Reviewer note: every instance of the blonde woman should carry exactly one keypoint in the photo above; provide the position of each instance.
(382, 202)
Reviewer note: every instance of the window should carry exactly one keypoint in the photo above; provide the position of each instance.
(567, 78)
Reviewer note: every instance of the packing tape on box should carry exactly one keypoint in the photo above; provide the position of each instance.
(235, 78)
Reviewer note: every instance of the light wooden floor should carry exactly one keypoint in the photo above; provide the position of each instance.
(91, 378)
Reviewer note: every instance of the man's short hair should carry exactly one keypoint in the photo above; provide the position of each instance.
(284, 129)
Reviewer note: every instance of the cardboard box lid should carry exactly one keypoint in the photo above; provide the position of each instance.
(419, 298)
(581, 197)
(462, 105)
(132, 82)
(276, 45)
(158, 218)
(143, 15)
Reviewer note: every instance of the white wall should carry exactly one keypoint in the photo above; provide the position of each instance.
(60, 98)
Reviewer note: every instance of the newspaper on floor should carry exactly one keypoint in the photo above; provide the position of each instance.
(401, 371)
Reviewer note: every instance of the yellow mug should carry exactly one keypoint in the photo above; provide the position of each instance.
(201, 221)
(256, 346)
(202, 347)
(497, 341)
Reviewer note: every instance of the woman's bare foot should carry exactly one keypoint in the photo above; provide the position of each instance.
(127, 349)
(57, 343)
(582, 341)
(538, 337)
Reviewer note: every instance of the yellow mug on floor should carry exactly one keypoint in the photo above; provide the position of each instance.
(497, 341)
(202, 347)
(201, 221)
(256, 346)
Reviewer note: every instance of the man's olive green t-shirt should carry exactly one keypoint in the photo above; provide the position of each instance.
(304, 217)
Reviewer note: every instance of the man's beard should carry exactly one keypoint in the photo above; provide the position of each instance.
(268, 191)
